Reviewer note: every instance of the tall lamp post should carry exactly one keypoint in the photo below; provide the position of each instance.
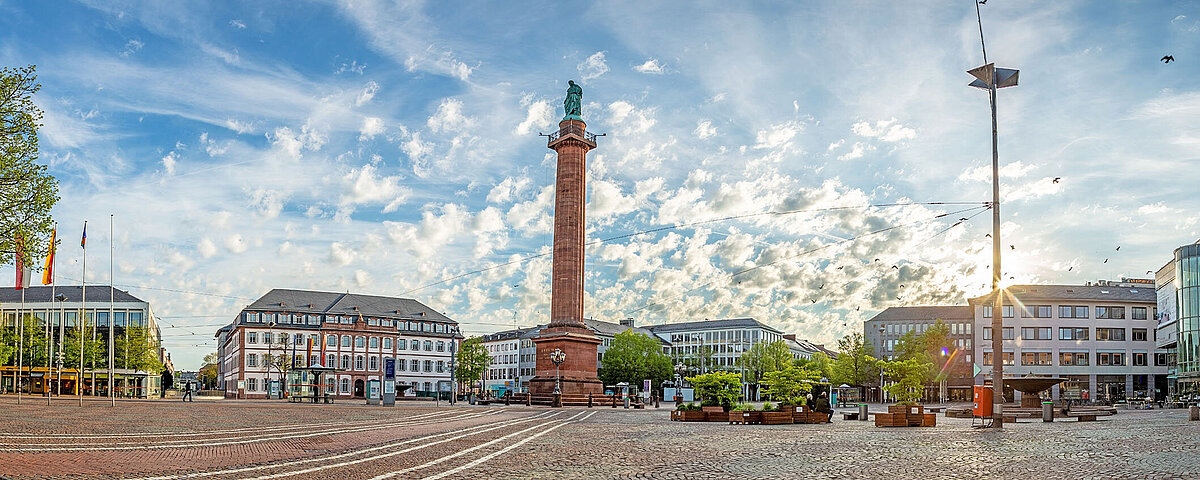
(881, 344)
(680, 370)
(558, 357)
(990, 78)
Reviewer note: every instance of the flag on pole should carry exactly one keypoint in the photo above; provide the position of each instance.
(24, 276)
(83, 241)
(48, 272)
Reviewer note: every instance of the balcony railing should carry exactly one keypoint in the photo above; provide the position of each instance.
(569, 129)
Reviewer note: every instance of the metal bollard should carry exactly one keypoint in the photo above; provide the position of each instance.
(1193, 413)
(862, 412)
(1047, 411)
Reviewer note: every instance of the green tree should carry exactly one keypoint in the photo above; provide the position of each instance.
(822, 364)
(94, 348)
(473, 360)
(33, 347)
(208, 372)
(633, 357)
(27, 192)
(790, 385)
(854, 364)
(143, 351)
(717, 388)
(908, 379)
(763, 358)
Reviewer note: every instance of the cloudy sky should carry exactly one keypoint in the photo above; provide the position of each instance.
(380, 147)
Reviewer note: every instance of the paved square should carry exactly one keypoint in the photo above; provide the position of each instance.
(268, 439)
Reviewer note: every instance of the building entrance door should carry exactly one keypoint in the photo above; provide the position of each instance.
(359, 389)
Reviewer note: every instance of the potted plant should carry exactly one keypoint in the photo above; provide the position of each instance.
(744, 413)
(906, 389)
(718, 392)
(688, 412)
(789, 386)
(771, 415)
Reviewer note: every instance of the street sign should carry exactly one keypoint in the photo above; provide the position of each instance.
(976, 369)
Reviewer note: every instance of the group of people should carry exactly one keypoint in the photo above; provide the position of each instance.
(821, 404)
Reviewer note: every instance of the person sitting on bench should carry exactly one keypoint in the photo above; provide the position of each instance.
(822, 405)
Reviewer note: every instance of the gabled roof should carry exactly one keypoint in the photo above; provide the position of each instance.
(74, 293)
(306, 301)
(1098, 293)
(926, 313)
(711, 325)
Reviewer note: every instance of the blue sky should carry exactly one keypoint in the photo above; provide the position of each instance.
(378, 147)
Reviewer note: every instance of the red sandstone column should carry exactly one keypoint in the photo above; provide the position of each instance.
(566, 288)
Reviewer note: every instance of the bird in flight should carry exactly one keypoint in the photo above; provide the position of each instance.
(813, 300)
(983, 2)
(895, 267)
(821, 287)
(841, 267)
(1167, 59)
(856, 308)
(1014, 247)
(1070, 268)
(988, 235)
(1118, 248)
(1106, 260)
(1149, 271)
(1056, 179)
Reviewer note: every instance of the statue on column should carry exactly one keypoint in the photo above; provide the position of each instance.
(573, 103)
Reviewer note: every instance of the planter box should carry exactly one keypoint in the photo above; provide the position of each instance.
(675, 415)
(745, 417)
(929, 420)
(714, 414)
(691, 416)
(776, 418)
(906, 409)
(890, 420)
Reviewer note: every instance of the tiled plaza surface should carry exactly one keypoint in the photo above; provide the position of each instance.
(269, 439)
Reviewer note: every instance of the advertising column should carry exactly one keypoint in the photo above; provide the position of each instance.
(389, 382)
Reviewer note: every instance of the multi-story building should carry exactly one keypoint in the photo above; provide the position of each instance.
(1166, 333)
(1186, 265)
(724, 339)
(1096, 336)
(354, 334)
(884, 330)
(56, 312)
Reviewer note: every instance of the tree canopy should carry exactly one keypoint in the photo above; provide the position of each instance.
(633, 357)
(717, 388)
(763, 358)
(473, 360)
(789, 385)
(27, 191)
(908, 378)
(854, 364)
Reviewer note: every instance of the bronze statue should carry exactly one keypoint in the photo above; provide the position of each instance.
(572, 104)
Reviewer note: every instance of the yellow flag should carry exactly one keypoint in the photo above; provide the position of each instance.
(48, 272)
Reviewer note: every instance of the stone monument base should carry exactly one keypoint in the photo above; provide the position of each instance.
(577, 374)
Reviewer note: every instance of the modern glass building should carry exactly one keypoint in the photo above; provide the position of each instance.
(1187, 295)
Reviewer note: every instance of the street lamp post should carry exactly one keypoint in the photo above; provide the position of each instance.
(680, 370)
(990, 78)
(558, 357)
(881, 344)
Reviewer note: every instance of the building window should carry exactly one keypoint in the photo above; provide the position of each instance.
(1072, 311)
(374, 342)
(1042, 311)
(428, 387)
(358, 362)
(1110, 312)
(1115, 359)
(1110, 334)
(1006, 312)
(267, 359)
(251, 360)
(401, 344)
(428, 345)
(416, 344)
(1073, 359)
(330, 360)
(441, 366)
(1139, 313)
(441, 346)
(331, 340)
(345, 341)
(267, 338)
(400, 365)
(1139, 359)
(1035, 358)
(1139, 334)
(252, 384)
(428, 365)
(345, 385)
(360, 342)
(298, 339)
(251, 337)
(387, 343)
(1036, 333)
(1073, 333)
(416, 366)
(345, 362)
(987, 333)
(373, 364)
(1008, 358)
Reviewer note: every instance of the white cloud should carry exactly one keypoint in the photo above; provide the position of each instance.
(704, 129)
(240, 127)
(238, 24)
(630, 120)
(857, 151)
(341, 254)
(365, 185)
(778, 135)
(132, 47)
(352, 67)
(651, 66)
(235, 244)
(449, 117)
(371, 127)
(368, 93)
(508, 190)
(169, 162)
(538, 115)
(206, 247)
(593, 67)
(886, 130)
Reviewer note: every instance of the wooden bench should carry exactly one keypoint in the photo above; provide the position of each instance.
(935, 409)
(849, 415)
(1083, 417)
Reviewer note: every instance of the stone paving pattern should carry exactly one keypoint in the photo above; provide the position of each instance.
(422, 440)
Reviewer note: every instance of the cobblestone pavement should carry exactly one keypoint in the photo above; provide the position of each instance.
(222, 439)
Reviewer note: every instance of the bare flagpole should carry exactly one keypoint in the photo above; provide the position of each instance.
(112, 400)
(82, 314)
(50, 314)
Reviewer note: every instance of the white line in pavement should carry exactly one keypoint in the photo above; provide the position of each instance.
(399, 452)
(472, 449)
(505, 449)
(274, 428)
(240, 441)
(343, 455)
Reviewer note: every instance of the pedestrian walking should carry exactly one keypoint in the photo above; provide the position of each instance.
(187, 392)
